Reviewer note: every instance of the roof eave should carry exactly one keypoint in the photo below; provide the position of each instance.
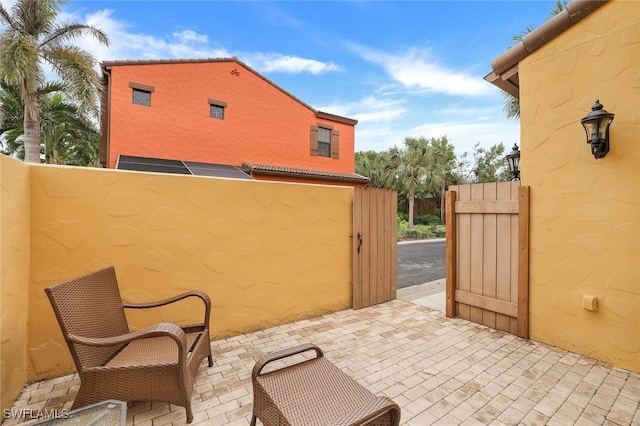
(338, 118)
(505, 67)
(305, 174)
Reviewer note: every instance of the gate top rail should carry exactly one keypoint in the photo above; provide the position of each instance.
(486, 206)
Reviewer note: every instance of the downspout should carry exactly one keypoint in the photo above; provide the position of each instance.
(105, 118)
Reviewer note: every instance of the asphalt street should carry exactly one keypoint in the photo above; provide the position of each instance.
(420, 262)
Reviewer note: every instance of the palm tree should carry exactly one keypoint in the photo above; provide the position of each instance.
(377, 167)
(411, 166)
(68, 137)
(443, 162)
(11, 120)
(33, 37)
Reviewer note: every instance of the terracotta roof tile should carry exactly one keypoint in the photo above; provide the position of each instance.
(265, 169)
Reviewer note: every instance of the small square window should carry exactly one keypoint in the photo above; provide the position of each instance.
(216, 111)
(141, 97)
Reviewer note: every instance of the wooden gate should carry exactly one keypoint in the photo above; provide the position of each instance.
(488, 255)
(375, 249)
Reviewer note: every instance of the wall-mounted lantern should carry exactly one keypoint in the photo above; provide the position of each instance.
(596, 124)
(514, 162)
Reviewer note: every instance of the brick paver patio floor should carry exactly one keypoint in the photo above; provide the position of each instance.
(440, 371)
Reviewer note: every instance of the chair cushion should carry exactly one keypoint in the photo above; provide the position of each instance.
(151, 351)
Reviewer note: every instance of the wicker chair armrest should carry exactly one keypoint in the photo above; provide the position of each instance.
(368, 412)
(284, 353)
(193, 293)
(156, 330)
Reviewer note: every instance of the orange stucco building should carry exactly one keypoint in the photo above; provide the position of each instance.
(220, 111)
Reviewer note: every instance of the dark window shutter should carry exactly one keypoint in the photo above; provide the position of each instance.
(335, 144)
(314, 140)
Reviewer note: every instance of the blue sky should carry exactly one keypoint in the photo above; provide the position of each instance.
(401, 68)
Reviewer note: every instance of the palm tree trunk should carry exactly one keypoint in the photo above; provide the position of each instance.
(32, 131)
(411, 202)
(443, 199)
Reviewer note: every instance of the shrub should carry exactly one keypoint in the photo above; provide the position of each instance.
(426, 219)
(439, 231)
(426, 226)
(418, 232)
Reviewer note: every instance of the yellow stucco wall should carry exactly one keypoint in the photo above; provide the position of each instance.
(14, 276)
(267, 253)
(585, 213)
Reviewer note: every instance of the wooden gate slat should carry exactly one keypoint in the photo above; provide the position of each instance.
(356, 281)
(477, 255)
(464, 253)
(451, 252)
(489, 257)
(523, 263)
(504, 277)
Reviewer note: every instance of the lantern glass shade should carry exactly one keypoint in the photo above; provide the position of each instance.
(514, 162)
(597, 129)
(596, 125)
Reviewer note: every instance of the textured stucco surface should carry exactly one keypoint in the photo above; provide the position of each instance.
(585, 213)
(14, 275)
(267, 253)
(262, 124)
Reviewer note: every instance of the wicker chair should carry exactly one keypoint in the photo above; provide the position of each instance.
(314, 392)
(156, 363)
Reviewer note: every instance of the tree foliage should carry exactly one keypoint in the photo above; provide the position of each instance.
(484, 165)
(424, 167)
(376, 166)
(31, 37)
(419, 167)
(68, 137)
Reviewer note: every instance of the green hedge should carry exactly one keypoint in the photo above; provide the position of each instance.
(425, 219)
(419, 232)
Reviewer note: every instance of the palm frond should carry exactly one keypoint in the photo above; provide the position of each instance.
(76, 69)
(71, 31)
(7, 19)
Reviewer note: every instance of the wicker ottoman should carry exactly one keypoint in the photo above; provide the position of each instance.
(314, 392)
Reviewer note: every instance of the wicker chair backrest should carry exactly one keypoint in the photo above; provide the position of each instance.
(89, 306)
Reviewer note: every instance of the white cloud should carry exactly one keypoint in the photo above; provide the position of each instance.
(126, 44)
(416, 70)
(369, 109)
(185, 44)
(190, 35)
(463, 135)
(276, 62)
